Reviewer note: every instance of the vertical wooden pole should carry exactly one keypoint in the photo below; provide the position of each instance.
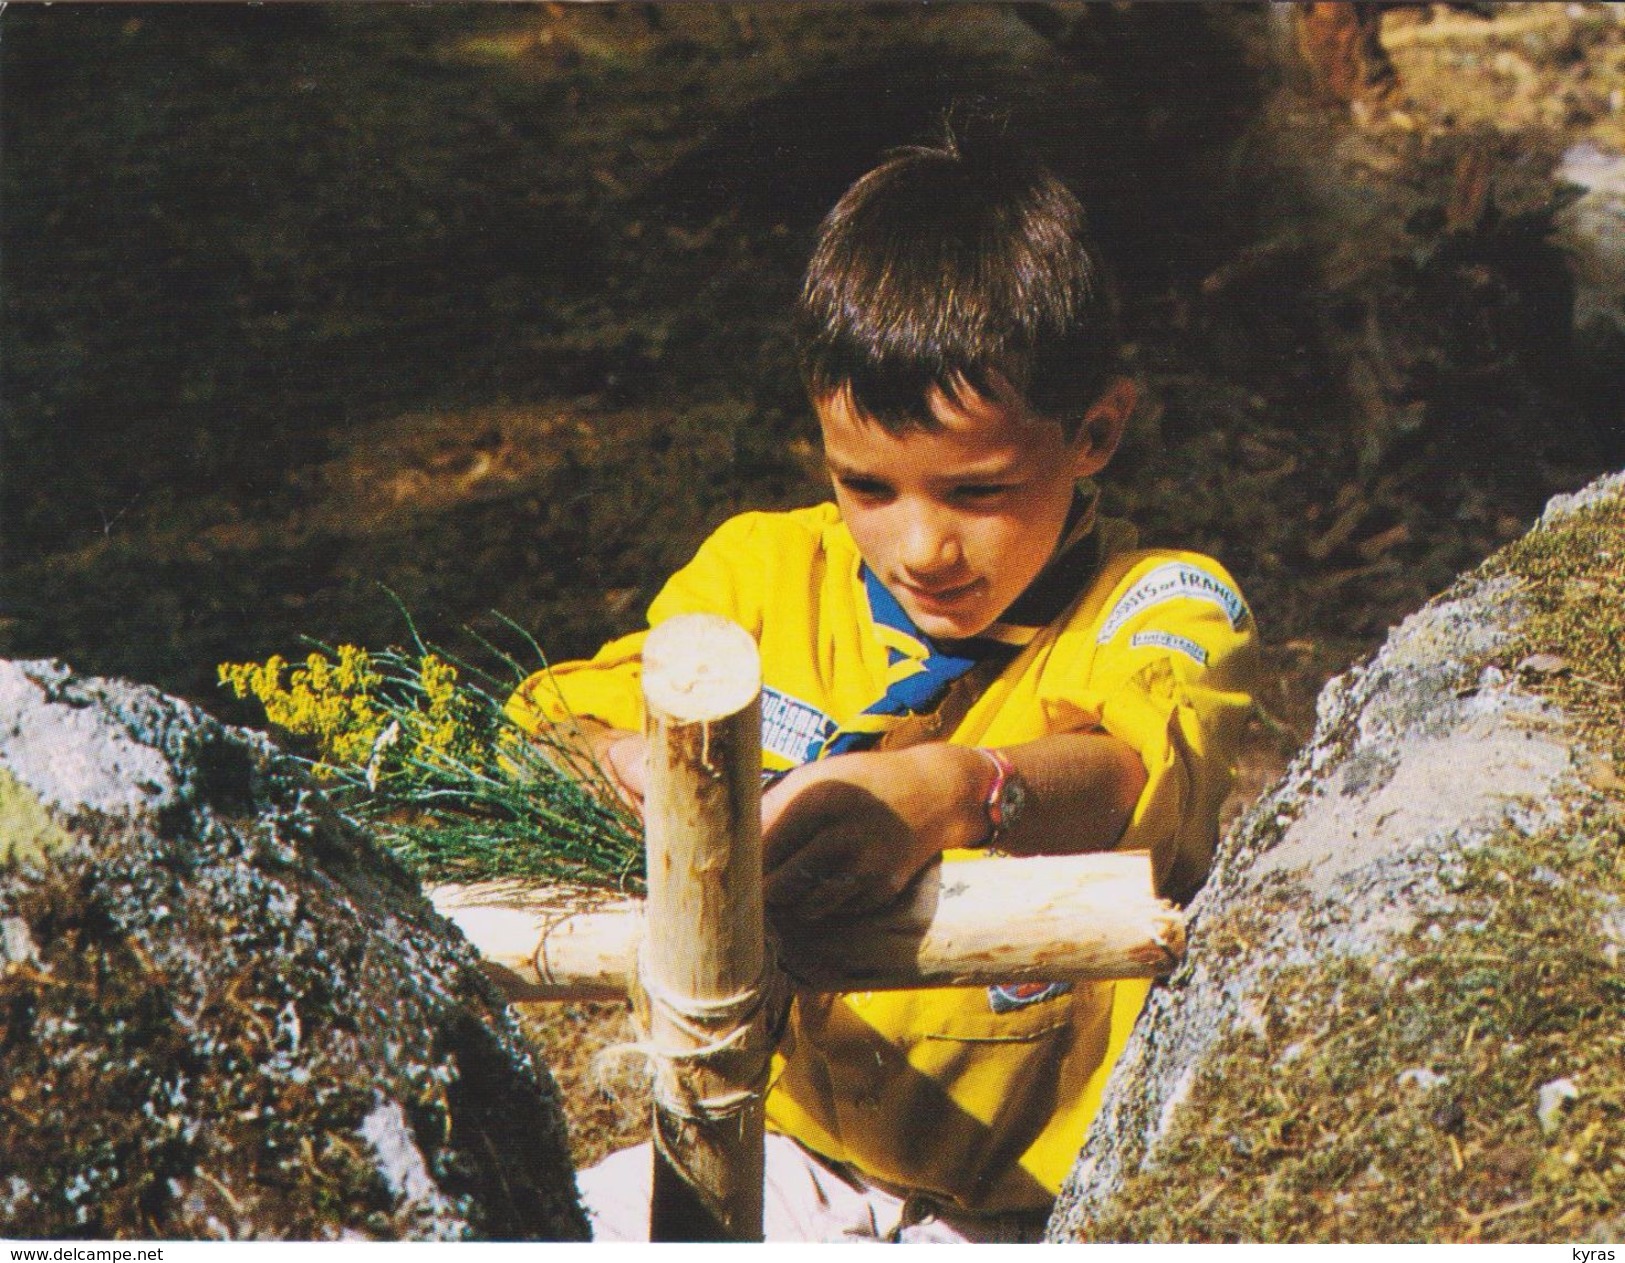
(703, 963)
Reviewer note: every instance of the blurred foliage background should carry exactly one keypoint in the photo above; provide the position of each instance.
(488, 304)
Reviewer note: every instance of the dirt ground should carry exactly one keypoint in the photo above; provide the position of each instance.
(487, 307)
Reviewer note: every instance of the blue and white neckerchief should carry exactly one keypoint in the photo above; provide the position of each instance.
(920, 670)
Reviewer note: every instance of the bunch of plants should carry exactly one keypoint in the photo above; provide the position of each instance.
(417, 746)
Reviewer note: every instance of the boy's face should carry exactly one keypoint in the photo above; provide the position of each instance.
(958, 519)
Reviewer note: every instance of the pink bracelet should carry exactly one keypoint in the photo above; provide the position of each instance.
(1006, 798)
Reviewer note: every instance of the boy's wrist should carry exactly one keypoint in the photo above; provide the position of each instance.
(968, 776)
(1005, 800)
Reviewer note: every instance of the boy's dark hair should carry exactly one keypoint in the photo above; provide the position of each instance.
(953, 266)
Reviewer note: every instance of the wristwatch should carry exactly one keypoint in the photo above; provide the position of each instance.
(1006, 799)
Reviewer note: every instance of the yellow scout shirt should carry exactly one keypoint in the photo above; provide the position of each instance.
(977, 1096)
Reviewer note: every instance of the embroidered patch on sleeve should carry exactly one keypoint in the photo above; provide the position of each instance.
(791, 728)
(1006, 997)
(1167, 640)
(1166, 583)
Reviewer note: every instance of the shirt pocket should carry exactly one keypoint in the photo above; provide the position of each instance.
(936, 1090)
(967, 1015)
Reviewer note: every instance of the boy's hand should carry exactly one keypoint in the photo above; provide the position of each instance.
(615, 755)
(847, 835)
(625, 759)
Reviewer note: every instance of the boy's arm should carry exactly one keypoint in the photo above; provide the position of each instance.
(848, 834)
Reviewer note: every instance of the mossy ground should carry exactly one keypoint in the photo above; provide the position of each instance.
(1573, 578)
(608, 1101)
(1398, 1101)
(1401, 1105)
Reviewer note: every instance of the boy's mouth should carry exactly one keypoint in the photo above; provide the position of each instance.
(941, 597)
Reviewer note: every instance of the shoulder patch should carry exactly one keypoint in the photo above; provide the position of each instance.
(1166, 583)
(1167, 640)
(791, 728)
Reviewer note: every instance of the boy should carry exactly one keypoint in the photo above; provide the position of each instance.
(957, 655)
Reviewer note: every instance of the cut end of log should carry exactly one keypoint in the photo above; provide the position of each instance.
(698, 668)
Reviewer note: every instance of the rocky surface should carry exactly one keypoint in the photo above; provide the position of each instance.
(1399, 970)
(225, 1014)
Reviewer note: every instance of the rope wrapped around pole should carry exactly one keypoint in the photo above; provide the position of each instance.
(710, 1028)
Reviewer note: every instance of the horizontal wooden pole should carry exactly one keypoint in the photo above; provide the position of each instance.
(1049, 918)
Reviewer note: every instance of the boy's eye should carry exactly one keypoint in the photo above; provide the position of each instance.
(981, 492)
(865, 488)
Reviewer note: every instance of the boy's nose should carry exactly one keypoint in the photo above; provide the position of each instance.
(928, 546)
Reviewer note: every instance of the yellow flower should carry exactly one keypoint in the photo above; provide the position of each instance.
(354, 671)
(440, 728)
(330, 703)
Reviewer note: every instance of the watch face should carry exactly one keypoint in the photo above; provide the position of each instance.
(1012, 798)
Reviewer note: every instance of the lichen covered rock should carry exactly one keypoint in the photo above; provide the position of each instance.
(225, 1013)
(1405, 946)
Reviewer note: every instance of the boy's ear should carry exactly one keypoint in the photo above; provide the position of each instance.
(1101, 429)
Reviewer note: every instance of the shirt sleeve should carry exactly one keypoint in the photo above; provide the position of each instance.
(1176, 654)
(725, 577)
